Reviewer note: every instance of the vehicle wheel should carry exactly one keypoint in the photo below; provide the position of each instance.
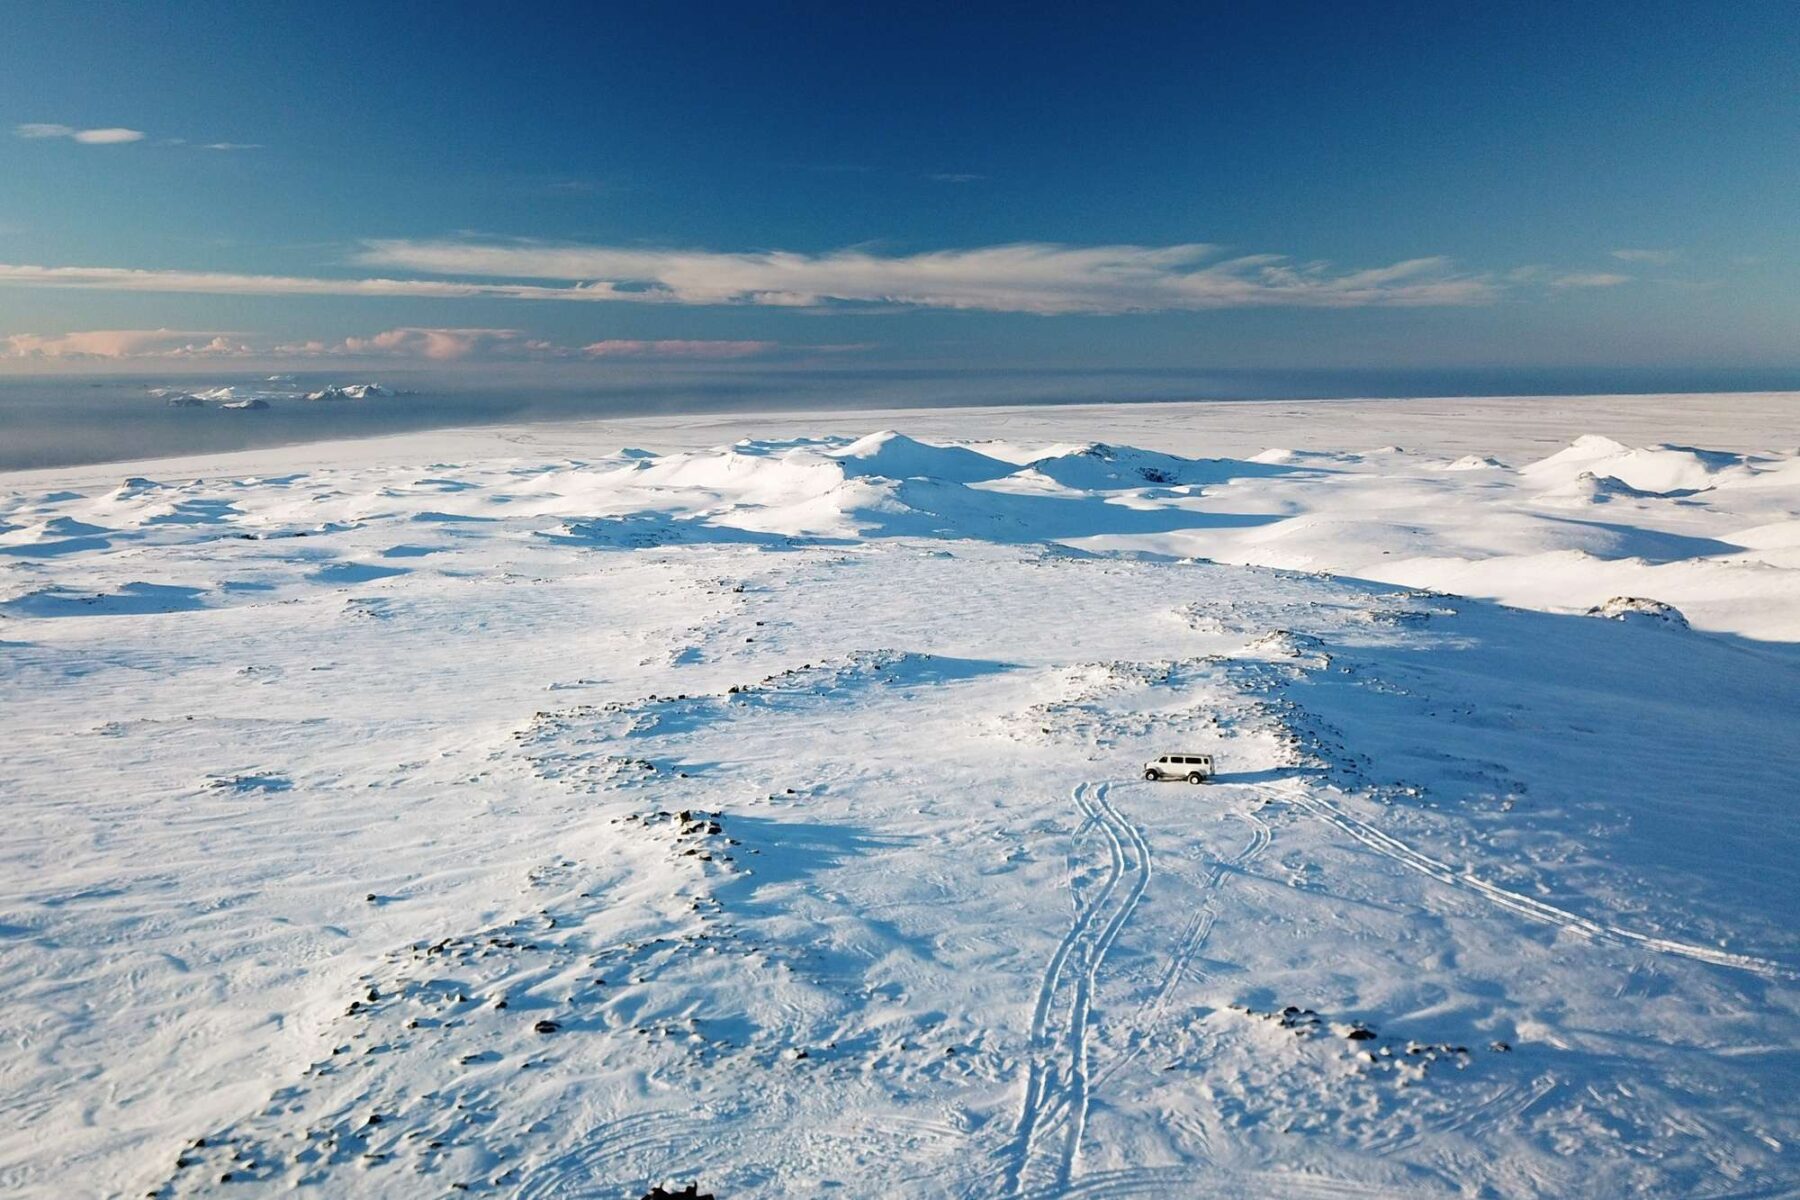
(1196, 777)
(1152, 776)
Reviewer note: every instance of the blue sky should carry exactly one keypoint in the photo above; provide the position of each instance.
(1181, 186)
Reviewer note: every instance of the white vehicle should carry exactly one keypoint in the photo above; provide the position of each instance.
(1195, 768)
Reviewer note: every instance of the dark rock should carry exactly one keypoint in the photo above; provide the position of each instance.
(546, 1027)
(1361, 1035)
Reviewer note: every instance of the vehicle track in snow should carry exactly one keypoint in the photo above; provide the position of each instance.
(1053, 1111)
(1393, 848)
(644, 1149)
(1194, 935)
(1223, 1183)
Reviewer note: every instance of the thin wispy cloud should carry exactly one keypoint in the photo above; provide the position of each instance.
(111, 136)
(117, 136)
(677, 348)
(1035, 278)
(124, 343)
(1556, 279)
(1654, 258)
(439, 345)
(1024, 278)
(416, 343)
(222, 283)
(1589, 279)
(212, 145)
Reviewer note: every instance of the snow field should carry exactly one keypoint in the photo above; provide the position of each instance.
(772, 817)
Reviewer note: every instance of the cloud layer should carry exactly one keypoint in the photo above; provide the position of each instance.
(409, 342)
(1024, 277)
(88, 137)
(1654, 258)
(682, 348)
(123, 343)
(221, 283)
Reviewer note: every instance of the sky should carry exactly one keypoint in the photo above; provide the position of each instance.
(1193, 186)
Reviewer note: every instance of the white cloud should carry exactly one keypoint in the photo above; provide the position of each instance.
(1654, 258)
(408, 342)
(107, 137)
(1028, 278)
(677, 348)
(116, 136)
(220, 283)
(113, 136)
(124, 343)
(1019, 278)
(1589, 279)
(437, 345)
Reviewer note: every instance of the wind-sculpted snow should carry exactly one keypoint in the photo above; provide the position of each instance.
(772, 818)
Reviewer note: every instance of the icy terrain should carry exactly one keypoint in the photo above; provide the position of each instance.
(770, 816)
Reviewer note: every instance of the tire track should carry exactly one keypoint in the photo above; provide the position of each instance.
(635, 1151)
(1209, 1180)
(1393, 848)
(1194, 936)
(1057, 1080)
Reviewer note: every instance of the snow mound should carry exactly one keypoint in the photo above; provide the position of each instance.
(1100, 466)
(1641, 610)
(231, 394)
(1590, 488)
(893, 455)
(1474, 462)
(1660, 470)
(1776, 535)
(353, 391)
(52, 529)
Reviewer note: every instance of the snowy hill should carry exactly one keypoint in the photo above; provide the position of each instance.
(772, 817)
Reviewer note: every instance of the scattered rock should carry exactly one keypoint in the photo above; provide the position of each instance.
(1640, 610)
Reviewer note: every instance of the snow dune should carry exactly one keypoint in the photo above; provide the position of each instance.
(770, 816)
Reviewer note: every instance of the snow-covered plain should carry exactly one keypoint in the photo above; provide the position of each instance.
(392, 822)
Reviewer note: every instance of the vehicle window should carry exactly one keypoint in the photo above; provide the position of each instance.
(1164, 758)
